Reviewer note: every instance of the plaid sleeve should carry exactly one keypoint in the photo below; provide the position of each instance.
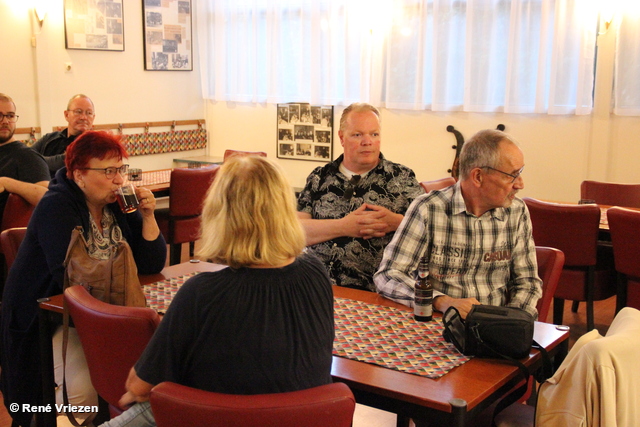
(396, 275)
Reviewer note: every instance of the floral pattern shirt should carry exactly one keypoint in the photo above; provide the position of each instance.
(352, 261)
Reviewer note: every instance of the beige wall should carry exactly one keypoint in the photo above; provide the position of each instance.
(120, 88)
(560, 151)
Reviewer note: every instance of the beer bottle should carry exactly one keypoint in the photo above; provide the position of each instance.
(423, 299)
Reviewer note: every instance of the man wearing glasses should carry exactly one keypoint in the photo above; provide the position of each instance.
(350, 207)
(79, 114)
(475, 234)
(22, 171)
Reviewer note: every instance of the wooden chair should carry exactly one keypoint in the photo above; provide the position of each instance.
(10, 240)
(17, 212)
(180, 223)
(550, 264)
(574, 230)
(234, 153)
(611, 193)
(624, 225)
(437, 184)
(113, 338)
(175, 405)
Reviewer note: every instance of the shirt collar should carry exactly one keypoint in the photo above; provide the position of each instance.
(458, 205)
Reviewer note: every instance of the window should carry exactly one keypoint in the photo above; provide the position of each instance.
(516, 56)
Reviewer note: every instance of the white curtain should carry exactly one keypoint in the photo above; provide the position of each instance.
(516, 56)
(626, 94)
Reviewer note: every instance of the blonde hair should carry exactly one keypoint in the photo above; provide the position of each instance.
(249, 215)
(357, 107)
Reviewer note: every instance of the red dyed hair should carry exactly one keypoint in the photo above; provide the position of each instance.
(93, 144)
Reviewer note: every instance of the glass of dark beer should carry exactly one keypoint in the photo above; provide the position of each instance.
(127, 198)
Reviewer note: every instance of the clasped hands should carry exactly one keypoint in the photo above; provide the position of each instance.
(370, 221)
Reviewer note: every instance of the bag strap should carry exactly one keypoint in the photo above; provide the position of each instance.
(65, 396)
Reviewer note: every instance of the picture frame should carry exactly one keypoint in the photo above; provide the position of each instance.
(167, 35)
(305, 132)
(95, 25)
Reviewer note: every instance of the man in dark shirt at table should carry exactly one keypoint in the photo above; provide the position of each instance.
(351, 207)
(22, 171)
(79, 114)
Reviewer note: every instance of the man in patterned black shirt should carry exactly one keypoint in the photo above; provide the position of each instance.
(351, 207)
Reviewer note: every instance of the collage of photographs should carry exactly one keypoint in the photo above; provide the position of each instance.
(305, 132)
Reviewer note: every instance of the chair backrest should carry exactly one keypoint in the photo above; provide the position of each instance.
(550, 263)
(234, 153)
(113, 338)
(571, 228)
(611, 193)
(17, 212)
(437, 184)
(188, 189)
(175, 405)
(624, 225)
(10, 240)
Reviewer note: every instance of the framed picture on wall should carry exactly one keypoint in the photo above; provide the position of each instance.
(305, 132)
(96, 25)
(167, 35)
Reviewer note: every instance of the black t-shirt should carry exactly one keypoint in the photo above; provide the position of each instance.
(247, 331)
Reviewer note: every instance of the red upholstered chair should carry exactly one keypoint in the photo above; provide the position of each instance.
(574, 230)
(17, 212)
(550, 264)
(611, 193)
(175, 405)
(624, 225)
(10, 240)
(437, 184)
(113, 338)
(180, 223)
(234, 153)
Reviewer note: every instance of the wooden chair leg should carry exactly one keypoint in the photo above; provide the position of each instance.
(574, 306)
(621, 292)
(590, 322)
(591, 276)
(558, 311)
(175, 253)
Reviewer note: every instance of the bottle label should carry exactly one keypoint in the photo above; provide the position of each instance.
(423, 310)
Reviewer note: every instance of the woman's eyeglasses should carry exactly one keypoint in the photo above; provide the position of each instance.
(110, 172)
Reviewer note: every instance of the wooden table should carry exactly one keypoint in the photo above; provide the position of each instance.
(451, 400)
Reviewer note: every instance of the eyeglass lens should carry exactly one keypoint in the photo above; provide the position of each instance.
(79, 112)
(11, 117)
(111, 172)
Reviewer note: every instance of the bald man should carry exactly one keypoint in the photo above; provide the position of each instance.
(79, 115)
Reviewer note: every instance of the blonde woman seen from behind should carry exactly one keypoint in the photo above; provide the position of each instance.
(262, 325)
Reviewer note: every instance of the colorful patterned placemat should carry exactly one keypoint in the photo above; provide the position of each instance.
(391, 338)
(160, 294)
(139, 144)
(154, 177)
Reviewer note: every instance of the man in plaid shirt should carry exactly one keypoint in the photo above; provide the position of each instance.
(476, 235)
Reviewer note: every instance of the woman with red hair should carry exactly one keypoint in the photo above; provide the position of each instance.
(81, 194)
